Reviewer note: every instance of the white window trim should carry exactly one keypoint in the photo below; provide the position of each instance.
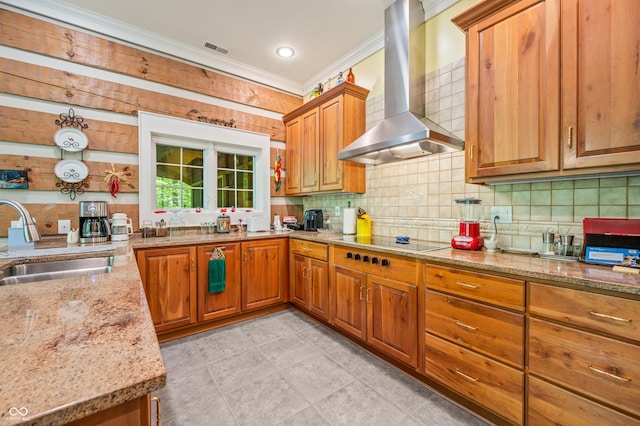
(225, 139)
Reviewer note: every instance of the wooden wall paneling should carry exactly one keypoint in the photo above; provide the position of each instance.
(42, 178)
(287, 210)
(34, 127)
(34, 81)
(46, 38)
(47, 215)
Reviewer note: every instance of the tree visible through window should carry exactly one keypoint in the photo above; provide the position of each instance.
(179, 177)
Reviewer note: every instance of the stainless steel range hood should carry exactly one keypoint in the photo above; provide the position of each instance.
(405, 132)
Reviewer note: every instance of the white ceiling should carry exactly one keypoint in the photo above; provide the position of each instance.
(328, 36)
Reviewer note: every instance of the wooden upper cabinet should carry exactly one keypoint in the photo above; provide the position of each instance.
(316, 132)
(294, 140)
(601, 83)
(553, 88)
(513, 91)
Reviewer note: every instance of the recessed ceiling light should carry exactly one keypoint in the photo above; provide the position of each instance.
(285, 51)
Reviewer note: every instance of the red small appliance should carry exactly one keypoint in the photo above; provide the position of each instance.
(471, 212)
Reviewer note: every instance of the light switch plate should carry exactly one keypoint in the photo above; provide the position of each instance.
(505, 214)
(64, 226)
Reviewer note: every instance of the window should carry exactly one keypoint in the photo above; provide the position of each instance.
(196, 168)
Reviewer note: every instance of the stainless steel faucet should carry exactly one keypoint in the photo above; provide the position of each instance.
(30, 229)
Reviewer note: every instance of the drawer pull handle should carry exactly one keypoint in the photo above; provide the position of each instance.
(467, 285)
(368, 291)
(570, 137)
(466, 376)
(611, 317)
(361, 295)
(306, 249)
(157, 402)
(467, 326)
(606, 373)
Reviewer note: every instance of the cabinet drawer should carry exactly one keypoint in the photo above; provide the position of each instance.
(397, 267)
(489, 330)
(598, 312)
(550, 405)
(499, 291)
(489, 383)
(310, 249)
(598, 366)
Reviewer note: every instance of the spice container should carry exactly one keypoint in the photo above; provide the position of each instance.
(161, 228)
(147, 229)
(223, 223)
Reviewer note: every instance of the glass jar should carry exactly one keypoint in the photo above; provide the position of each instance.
(223, 223)
(176, 226)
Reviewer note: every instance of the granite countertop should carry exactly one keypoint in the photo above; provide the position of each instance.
(528, 267)
(75, 346)
(71, 347)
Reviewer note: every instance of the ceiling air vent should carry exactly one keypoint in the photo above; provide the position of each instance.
(216, 48)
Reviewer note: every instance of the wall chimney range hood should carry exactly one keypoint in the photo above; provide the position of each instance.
(405, 132)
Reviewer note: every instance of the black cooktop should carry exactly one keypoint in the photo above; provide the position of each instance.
(391, 242)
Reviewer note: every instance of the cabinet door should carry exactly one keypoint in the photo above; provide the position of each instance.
(309, 150)
(169, 279)
(319, 286)
(332, 137)
(349, 308)
(392, 318)
(226, 302)
(299, 280)
(265, 269)
(293, 168)
(513, 80)
(600, 82)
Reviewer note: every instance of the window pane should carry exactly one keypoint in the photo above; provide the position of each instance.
(225, 161)
(245, 180)
(171, 174)
(192, 176)
(245, 199)
(167, 154)
(179, 185)
(226, 179)
(245, 162)
(226, 198)
(192, 157)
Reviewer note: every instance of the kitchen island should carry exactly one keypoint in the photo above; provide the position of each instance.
(75, 347)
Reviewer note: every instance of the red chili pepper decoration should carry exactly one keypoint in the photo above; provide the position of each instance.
(277, 172)
(113, 178)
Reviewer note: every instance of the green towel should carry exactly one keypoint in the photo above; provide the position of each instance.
(217, 275)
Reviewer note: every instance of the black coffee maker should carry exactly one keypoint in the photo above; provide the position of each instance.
(313, 220)
(94, 222)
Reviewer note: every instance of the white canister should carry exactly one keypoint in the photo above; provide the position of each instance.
(349, 222)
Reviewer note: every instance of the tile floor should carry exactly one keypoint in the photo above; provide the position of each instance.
(286, 369)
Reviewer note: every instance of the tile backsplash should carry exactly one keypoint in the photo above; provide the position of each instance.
(417, 197)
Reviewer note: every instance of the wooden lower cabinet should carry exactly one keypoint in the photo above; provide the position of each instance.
(380, 311)
(310, 285)
(265, 273)
(227, 302)
(474, 327)
(492, 384)
(550, 405)
(169, 280)
(584, 349)
(136, 412)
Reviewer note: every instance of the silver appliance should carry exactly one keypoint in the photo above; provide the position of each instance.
(94, 223)
(405, 132)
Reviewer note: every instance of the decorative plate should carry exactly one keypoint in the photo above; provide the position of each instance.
(70, 139)
(71, 171)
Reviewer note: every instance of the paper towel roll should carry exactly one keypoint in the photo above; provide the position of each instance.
(349, 222)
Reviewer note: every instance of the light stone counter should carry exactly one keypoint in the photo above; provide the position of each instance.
(72, 347)
(528, 267)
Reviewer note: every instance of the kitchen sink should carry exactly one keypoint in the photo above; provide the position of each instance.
(55, 269)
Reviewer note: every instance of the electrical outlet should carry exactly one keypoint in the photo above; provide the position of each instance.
(336, 211)
(64, 226)
(504, 213)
